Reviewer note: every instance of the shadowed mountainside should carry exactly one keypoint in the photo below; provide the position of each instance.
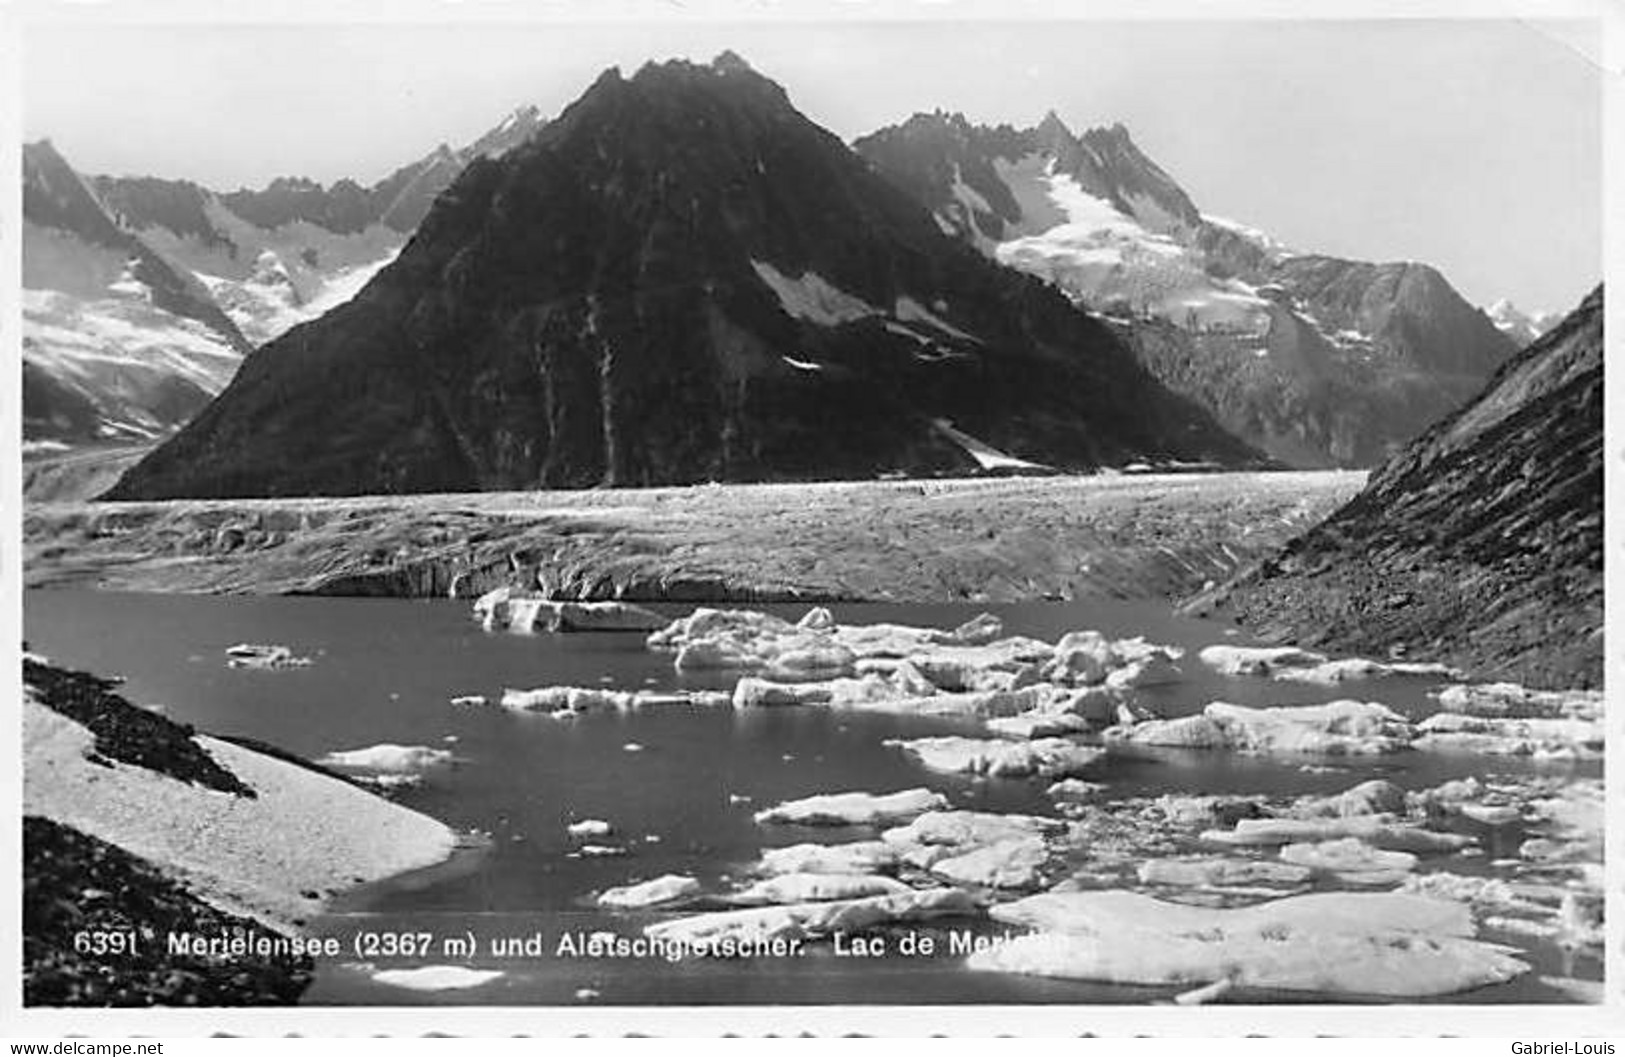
(680, 279)
(1480, 545)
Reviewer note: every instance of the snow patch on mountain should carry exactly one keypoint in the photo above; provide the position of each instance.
(1257, 237)
(911, 311)
(986, 456)
(1522, 327)
(811, 297)
(1028, 179)
(270, 301)
(267, 280)
(56, 260)
(130, 360)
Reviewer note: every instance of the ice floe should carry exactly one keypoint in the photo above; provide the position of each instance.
(854, 809)
(1000, 758)
(663, 889)
(1340, 943)
(1074, 789)
(1016, 863)
(1037, 724)
(387, 759)
(960, 829)
(265, 658)
(562, 702)
(589, 827)
(436, 977)
(1511, 701)
(1331, 673)
(755, 925)
(1335, 728)
(816, 888)
(600, 851)
(1377, 830)
(1547, 738)
(1257, 660)
(1218, 872)
(979, 849)
(1376, 796)
(1154, 670)
(1351, 860)
(855, 857)
(503, 608)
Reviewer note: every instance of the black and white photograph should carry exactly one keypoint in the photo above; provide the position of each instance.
(557, 510)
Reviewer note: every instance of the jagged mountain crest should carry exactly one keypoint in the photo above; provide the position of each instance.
(1104, 161)
(141, 294)
(680, 278)
(56, 197)
(1318, 360)
(118, 341)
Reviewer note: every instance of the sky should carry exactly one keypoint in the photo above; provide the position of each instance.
(1473, 145)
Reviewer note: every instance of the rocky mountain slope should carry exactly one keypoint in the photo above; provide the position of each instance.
(680, 279)
(138, 825)
(1480, 544)
(141, 295)
(1317, 360)
(118, 342)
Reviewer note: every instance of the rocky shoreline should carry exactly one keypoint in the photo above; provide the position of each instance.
(139, 831)
(76, 886)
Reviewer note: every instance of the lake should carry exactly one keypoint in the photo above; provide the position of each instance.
(678, 784)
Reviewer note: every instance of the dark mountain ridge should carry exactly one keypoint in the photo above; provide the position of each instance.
(679, 279)
(1481, 544)
(399, 201)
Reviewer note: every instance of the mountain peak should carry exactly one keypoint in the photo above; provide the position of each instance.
(1052, 126)
(726, 77)
(728, 61)
(678, 281)
(1115, 134)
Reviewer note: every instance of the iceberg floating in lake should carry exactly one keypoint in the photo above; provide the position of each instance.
(1354, 728)
(251, 655)
(817, 887)
(506, 609)
(436, 977)
(663, 889)
(855, 857)
(1339, 943)
(813, 920)
(854, 809)
(387, 759)
(1001, 758)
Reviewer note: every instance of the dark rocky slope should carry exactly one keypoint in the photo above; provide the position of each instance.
(126, 733)
(1481, 544)
(680, 279)
(75, 885)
